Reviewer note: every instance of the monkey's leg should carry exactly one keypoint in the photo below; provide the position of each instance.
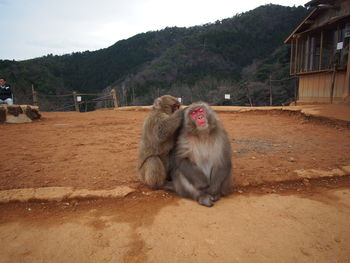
(185, 189)
(153, 172)
(221, 182)
(226, 186)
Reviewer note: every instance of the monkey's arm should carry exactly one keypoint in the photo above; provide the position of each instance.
(169, 124)
(193, 174)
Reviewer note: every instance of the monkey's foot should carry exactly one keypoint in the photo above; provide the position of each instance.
(206, 200)
(168, 186)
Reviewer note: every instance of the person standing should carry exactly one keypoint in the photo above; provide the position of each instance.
(6, 96)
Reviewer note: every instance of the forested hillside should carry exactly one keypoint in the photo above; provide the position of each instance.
(238, 55)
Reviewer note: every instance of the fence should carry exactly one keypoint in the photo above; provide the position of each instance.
(74, 101)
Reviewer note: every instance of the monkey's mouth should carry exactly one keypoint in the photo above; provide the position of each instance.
(201, 121)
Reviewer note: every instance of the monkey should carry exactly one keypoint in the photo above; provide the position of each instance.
(158, 139)
(202, 159)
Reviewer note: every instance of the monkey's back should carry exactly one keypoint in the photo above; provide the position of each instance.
(151, 144)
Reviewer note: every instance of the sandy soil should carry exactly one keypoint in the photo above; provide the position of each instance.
(310, 226)
(98, 150)
(273, 216)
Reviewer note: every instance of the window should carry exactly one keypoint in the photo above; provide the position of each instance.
(319, 50)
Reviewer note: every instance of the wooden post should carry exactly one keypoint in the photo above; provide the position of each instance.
(347, 77)
(333, 82)
(295, 90)
(291, 65)
(35, 98)
(133, 96)
(270, 89)
(296, 60)
(321, 51)
(301, 56)
(75, 101)
(115, 100)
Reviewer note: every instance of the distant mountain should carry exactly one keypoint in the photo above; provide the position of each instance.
(235, 55)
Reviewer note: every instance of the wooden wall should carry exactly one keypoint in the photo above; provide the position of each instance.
(317, 87)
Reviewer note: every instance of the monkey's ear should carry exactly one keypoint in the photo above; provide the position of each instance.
(157, 103)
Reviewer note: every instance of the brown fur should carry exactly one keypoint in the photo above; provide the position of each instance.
(202, 159)
(158, 138)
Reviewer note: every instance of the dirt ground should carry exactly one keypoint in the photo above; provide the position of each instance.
(274, 214)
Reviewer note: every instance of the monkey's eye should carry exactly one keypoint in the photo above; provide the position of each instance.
(193, 113)
(200, 110)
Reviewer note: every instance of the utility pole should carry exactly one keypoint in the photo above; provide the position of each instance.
(35, 98)
(270, 89)
(248, 94)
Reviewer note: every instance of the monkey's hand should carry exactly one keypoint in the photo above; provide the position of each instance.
(169, 124)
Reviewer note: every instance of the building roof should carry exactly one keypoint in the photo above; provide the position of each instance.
(318, 7)
(315, 3)
(302, 26)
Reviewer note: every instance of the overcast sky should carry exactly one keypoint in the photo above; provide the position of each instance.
(34, 28)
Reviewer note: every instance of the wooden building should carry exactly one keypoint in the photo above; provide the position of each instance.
(319, 53)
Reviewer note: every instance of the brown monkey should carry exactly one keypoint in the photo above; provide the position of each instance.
(202, 157)
(158, 138)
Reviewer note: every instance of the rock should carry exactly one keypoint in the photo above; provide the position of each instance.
(19, 113)
(306, 182)
(291, 159)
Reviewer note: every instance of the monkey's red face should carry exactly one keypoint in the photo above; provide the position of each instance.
(199, 117)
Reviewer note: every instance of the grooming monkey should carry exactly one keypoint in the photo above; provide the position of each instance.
(202, 157)
(158, 138)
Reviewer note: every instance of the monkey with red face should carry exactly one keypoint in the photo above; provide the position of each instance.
(202, 157)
